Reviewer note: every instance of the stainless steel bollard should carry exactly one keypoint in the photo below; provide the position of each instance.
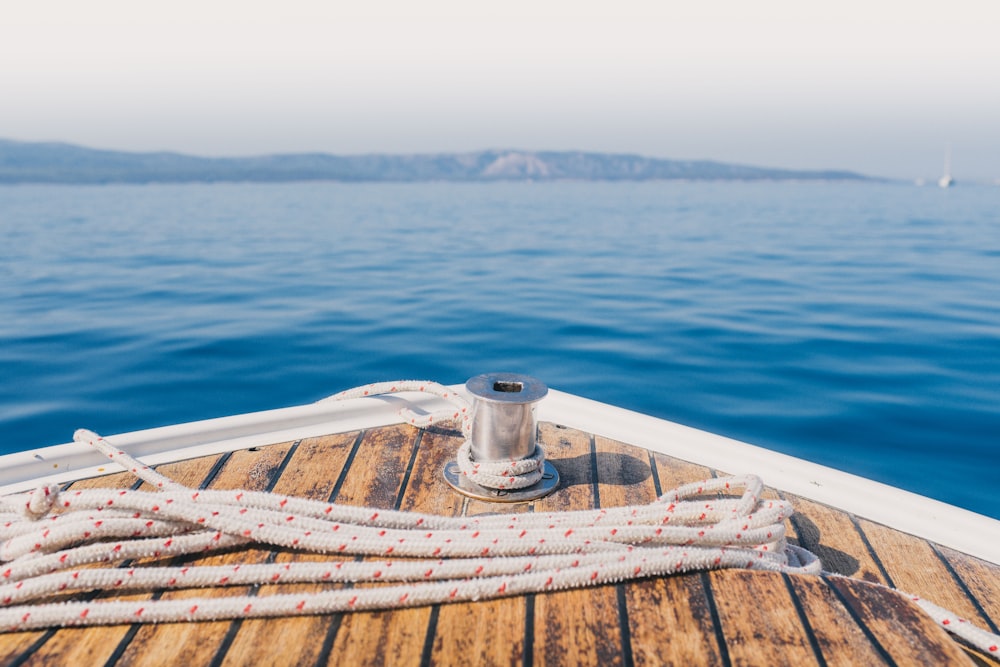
(503, 415)
(503, 429)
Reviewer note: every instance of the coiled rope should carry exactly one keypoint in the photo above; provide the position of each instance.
(54, 542)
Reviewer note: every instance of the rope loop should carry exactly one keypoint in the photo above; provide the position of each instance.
(509, 475)
(41, 501)
(460, 411)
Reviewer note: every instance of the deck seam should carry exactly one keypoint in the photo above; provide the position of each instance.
(620, 600)
(427, 654)
(427, 651)
(713, 612)
(871, 551)
(323, 658)
(348, 462)
(859, 622)
(657, 487)
(595, 484)
(337, 619)
(965, 589)
(623, 626)
(30, 651)
(133, 630)
(804, 619)
(215, 470)
(528, 648)
(234, 626)
(409, 470)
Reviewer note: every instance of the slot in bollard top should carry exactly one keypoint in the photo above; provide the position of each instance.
(503, 415)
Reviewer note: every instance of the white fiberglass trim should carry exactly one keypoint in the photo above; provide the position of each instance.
(939, 522)
(24, 471)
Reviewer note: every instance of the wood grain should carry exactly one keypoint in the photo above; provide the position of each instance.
(831, 535)
(906, 634)
(197, 643)
(311, 473)
(88, 646)
(376, 480)
(574, 627)
(730, 617)
(915, 568)
(982, 581)
(664, 612)
(841, 641)
(759, 619)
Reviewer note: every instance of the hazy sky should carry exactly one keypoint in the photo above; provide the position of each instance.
(877, 86)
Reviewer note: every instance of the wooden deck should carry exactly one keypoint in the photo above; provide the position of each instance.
(718, 618)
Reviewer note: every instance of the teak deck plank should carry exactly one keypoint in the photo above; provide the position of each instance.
(671, 622)
(56, 644)
(839, 639)
(491, 633)
(88, 646)
(913, 567)
(661, 609)
(198, 643)
(381, 637)
(759, 620)
(899, 628)
(577, 627)
(981, 580)
(833, 536)
(717, 618)
(314, 467)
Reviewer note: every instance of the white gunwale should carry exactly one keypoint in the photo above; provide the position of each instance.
(944, 524)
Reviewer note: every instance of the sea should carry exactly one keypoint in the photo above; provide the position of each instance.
(854, 324)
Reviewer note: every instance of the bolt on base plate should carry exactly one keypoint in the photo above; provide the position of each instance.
(465, 486)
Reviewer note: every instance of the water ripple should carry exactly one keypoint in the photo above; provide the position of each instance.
(851, 324)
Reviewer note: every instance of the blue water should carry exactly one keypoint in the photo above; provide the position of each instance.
(857, 325)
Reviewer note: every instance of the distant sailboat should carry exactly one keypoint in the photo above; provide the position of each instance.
(946, 181)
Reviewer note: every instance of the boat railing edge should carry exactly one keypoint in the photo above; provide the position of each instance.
(939, 522)
(24, 471)
(948, 525)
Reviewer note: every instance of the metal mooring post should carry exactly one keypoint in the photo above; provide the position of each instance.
(504, 429)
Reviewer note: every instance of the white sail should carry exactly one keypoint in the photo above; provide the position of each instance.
(946, 181)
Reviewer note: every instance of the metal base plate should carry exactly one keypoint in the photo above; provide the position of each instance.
(462, 484)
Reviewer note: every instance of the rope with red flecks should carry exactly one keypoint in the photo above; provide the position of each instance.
(51, 541)
(50, 536)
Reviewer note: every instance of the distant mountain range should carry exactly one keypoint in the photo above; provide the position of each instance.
(29, 162)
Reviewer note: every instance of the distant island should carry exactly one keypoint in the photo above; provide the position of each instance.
(38, 162)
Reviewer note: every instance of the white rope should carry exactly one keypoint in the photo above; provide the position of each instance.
(48, 538)
(54, 542)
